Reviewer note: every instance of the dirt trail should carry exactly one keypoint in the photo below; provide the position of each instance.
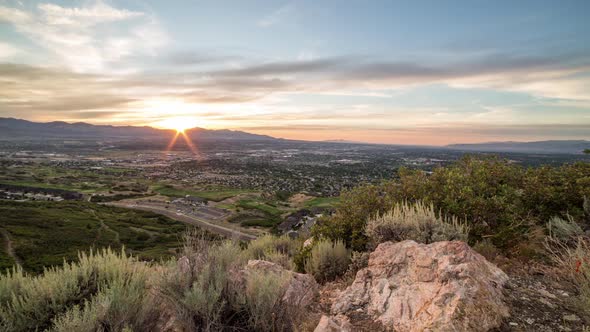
(8, 247)
(105, 227)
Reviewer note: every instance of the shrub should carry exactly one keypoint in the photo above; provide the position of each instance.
(416, 222)
(197, 287)
(500, 200)
(275, 249)
(116, 281)
(564, 229)
(327, 260)
(263, 299)
(207, 289)
(574, 261)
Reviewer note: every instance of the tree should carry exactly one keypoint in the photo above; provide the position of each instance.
(587, 151)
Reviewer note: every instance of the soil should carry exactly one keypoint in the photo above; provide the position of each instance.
(540, 301)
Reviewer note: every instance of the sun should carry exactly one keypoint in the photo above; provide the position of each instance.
(180, 124)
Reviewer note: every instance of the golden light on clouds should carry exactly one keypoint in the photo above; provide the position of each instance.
(179, 124)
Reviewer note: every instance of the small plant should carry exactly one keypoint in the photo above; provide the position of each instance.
(487, 249)
(358, 261)
(564, 229)
(574, 262)
(327, 260)
(417, 222)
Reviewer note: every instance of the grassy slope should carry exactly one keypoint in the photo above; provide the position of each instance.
(322, 202)
(213, 195)
(46, 233)
(43, 176)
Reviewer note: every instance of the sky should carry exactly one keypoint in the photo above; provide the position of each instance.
(400, 72)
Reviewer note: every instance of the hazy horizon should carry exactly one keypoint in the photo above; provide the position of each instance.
(419, 73)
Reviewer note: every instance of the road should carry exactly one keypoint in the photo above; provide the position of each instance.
(225, 231)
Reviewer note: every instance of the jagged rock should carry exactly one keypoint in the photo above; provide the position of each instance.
(444, 286)
(339, 323)
(302, 289)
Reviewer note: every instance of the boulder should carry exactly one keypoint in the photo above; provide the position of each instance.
(444, 286)
(302, 289)
(338, 323)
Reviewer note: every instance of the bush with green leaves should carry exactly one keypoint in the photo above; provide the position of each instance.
(327, 260)
(500, 200)
(418, 222)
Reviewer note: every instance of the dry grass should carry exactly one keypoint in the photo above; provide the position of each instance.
(574, 262)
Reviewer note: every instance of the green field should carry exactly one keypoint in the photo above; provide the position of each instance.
(47, 176)
(257, 205)
(212, 195)
(322, 202)
(46, 233)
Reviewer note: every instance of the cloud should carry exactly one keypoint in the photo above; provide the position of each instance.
(551, 76)
(276, 17)
(8, 51)
(281, 68)
(87, 39)
(81, 17)
(13, 15)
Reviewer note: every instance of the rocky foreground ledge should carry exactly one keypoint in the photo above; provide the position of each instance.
(444, 286)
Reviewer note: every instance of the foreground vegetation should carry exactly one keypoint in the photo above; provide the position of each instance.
(111, 291)
(540, 214)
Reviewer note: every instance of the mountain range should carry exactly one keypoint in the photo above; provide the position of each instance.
(550, 147)
(18, 129)
(15, 129)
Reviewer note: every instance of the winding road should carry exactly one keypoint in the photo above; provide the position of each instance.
(225, 231)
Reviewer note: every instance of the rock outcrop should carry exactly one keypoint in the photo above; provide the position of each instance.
(338, 323)
(444, 286)
(301, 290)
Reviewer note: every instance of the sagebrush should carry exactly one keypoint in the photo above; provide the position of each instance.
(327, 260)
(418, 222)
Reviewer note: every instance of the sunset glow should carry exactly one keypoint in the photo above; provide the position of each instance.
(178, 124)
(400, 74)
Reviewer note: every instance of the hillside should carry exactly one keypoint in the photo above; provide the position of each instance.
(553, 147)
(43, 234)
(17, 129)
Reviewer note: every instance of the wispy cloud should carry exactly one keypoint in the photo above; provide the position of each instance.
(276, 16)
(79, 38)
(8, 51)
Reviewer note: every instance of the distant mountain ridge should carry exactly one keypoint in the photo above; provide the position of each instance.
(14, 129)
(553, 146)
